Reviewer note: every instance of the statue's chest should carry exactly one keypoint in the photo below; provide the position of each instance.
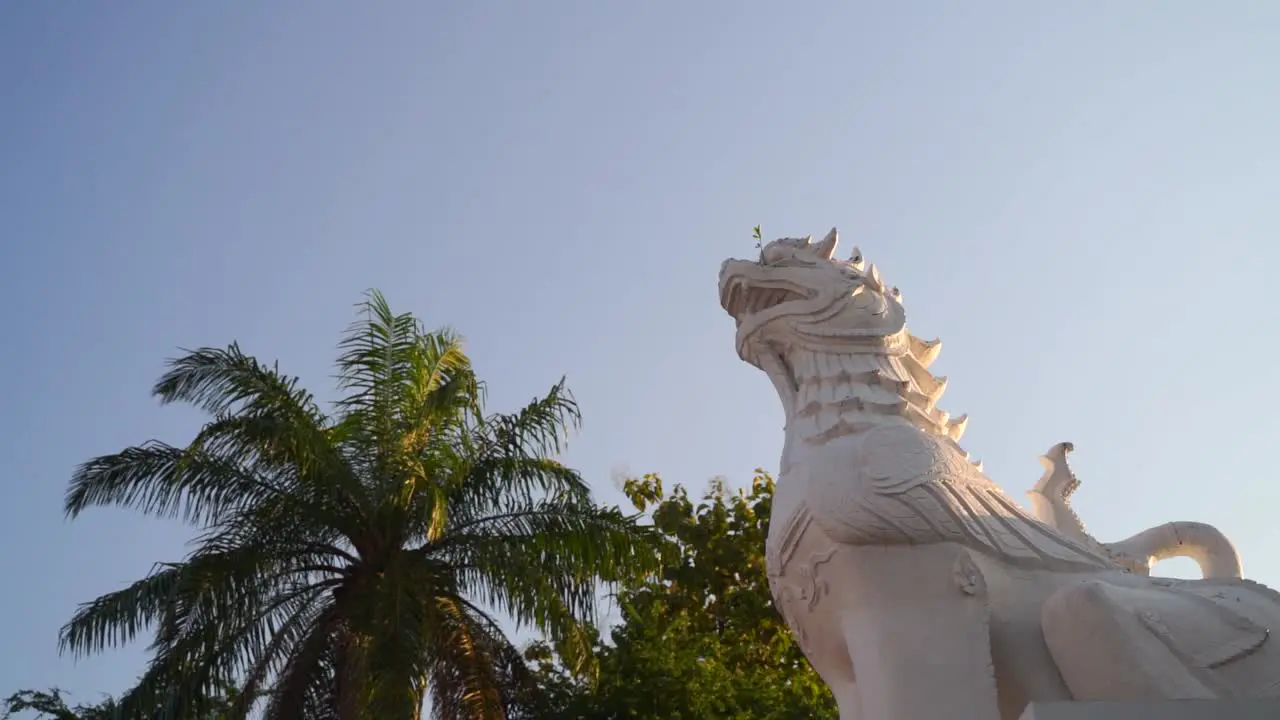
(806, 468)
(880, 486)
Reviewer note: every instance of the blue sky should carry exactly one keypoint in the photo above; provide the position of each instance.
(1079, 198)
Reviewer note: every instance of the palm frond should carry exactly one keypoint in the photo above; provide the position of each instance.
(162, 480)
(403, 386)
(226, 380)
(292, 633)
(541, 564)
(228, 587)
(488, 486)
(464, 669)
(291, 454)
(116, 618)
(306, 499)
(539, 429)
(268, 437)
(378, 353)
(441, 382)
(305, 666)
(504, 461)
(216, 631)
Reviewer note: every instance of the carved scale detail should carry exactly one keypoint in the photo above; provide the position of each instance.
(843, 394)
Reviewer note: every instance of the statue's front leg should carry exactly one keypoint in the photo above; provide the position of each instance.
(916, 623)
(848, 701)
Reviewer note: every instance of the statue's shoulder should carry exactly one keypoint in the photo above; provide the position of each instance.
(895, 458)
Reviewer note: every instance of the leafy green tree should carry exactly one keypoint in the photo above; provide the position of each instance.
(51, 705)
(349, 563)
(699, 640)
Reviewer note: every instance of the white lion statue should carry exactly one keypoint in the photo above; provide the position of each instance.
(916, 587)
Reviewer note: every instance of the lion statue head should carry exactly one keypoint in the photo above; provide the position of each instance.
(798, 295)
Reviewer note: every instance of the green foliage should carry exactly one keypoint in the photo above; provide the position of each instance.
(50, 705)
(348, 561)
(758, 236)
(699, 640)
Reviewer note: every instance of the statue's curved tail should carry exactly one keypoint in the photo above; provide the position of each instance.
(1203, 543)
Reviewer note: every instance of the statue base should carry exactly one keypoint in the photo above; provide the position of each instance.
(1232, 709)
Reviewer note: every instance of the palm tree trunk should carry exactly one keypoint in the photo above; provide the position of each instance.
(347, 681)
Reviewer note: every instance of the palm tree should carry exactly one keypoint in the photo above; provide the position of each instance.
(351, 565)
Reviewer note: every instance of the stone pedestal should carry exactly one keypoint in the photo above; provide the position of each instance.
(1156, 710)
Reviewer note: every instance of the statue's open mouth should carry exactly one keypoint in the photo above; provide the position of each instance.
(744, 299)
(745, 291)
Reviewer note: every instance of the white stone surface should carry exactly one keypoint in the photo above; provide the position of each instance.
(917, 588)
(1156, 710)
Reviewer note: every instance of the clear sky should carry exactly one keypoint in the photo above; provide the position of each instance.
(1080, 198)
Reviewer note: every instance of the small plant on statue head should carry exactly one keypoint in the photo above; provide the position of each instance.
(759, 237)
